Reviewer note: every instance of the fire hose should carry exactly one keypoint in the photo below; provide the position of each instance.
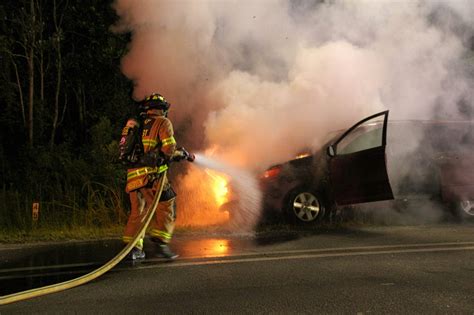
(15, 297)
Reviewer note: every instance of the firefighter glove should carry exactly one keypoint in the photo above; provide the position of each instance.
(152, 159)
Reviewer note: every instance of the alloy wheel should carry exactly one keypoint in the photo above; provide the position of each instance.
(467, 206)
(306, 206)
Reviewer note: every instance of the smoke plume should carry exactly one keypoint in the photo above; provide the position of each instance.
(260, 81)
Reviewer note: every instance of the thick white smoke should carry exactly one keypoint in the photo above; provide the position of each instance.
(259, 81)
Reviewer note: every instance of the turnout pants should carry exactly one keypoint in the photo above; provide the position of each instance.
(163, 222)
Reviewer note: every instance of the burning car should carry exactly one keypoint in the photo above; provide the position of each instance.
(377, 160)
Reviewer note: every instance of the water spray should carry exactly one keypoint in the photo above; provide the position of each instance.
(244, 209)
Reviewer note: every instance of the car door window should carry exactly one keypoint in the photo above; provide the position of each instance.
(357, 162)
(366, 136)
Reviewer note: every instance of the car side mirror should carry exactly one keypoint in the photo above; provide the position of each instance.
(330, 151)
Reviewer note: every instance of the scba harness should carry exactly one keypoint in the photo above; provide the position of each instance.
(130, 145)
(145, 167)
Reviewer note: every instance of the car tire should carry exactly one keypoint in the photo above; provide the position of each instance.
(464, 210)
(304, 206)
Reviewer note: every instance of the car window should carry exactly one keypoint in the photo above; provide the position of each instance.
(367, 136)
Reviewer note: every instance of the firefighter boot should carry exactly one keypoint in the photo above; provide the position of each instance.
(136, 254)
(162, 250)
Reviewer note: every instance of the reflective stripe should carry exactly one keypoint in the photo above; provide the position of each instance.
(155, 97)
(146, 170)
(128, 239)
(162, 168)
(140, 172)
(150, 142)
(168, 141)
(161, 234)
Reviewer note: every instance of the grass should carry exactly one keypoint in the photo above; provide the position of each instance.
(96, 212)
(60, 232)
(57, 234)
(8, 236)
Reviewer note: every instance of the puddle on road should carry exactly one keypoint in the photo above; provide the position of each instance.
(25, 268)
(28, 268)
(214, 247)
(32, 267)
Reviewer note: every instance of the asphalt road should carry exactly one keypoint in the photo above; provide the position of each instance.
(397, 270)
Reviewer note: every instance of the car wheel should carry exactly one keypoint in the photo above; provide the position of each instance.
(305, 207)
(465, 209)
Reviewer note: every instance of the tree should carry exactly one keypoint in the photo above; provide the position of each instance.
(61, 84)
(57, 41)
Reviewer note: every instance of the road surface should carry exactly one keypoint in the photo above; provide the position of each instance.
(360, 270)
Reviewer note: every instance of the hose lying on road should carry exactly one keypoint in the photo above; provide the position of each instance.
(15, 297)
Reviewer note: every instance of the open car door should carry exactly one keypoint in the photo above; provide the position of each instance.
(357, 163)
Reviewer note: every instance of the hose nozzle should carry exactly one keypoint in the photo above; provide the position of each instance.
(191, 157)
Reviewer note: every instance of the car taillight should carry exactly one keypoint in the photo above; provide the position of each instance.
(272, 172)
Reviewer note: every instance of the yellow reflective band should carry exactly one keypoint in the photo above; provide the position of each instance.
(161, 234)
(127, 239)
(146, 170)
(155, 97)
(149, 142)
(140, 172)
(162, 168)
(138, 244)
(168, 141)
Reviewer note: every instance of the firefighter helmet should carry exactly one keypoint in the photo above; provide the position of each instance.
(157, 101)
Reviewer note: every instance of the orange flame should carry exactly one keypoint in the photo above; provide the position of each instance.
(219, 186)
(201, 193)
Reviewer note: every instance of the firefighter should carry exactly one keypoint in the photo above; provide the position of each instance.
(159, 147)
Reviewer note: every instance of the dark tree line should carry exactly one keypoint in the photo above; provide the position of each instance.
(63, 100)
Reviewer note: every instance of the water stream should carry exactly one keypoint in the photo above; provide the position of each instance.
(244, 205)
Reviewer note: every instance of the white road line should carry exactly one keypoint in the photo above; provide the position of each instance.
(329, 252)
(318, 250)
(305, 256)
